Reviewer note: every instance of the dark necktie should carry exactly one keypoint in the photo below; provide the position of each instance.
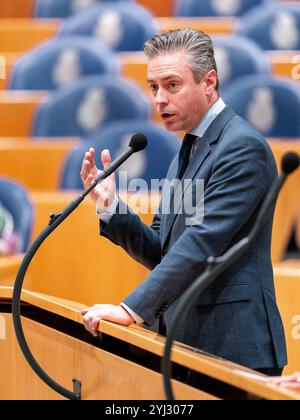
(184, 154)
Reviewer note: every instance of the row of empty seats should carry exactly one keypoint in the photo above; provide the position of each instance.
(89, 104)
(269, 103)
(181, 8)
(104, 111)
(125, 27)
(60, 62)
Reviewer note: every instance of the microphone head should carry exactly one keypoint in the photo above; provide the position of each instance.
(290, 162)
(138, 142)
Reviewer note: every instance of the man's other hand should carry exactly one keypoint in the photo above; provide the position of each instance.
(92, 317)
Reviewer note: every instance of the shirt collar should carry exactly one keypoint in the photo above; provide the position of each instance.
(208, 118)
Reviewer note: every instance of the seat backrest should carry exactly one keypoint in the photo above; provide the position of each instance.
(80, 109)
(15, 200)
(121, 26)
(271, 105)
(65, 8)
(274, 27)
(190, 8)
(150, 164)
(59, 62)
(237, 57)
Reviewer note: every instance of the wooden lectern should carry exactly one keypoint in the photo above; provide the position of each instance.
(122, 364)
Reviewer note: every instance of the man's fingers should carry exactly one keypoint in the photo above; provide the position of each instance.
(94, 324)
(88, 181)
(90, 321)
(85, 170)
(281, 379)
(85, 311)
(290, 385)
(105, 158)
(92, 156)
(86, 177)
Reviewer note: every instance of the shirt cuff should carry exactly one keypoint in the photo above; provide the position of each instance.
(106, 215)
(136, 317)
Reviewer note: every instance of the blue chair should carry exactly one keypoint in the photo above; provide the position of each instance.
(80, 109)
(15, 200)
(276, 27)
(271, 105)
(151, 163)
(189, 8)
(58, 63)
(122, 26)
(237, 57)
(66, 8)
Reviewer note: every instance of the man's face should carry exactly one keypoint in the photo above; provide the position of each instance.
(180, 101)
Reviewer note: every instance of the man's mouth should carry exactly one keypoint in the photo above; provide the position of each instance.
(166, 115)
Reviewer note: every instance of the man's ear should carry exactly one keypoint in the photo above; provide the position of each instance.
(210, 82)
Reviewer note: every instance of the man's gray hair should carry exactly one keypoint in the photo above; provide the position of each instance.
(197, 46)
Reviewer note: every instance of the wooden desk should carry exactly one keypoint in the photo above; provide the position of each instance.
(19, 35)
(17, 9)
(287, 284)
(25, 8)
(285, 64)
(9, 267)
(287, 214)
(36, 164)
(17, 111)
(103, 374)
(8, 60)
(210, 25)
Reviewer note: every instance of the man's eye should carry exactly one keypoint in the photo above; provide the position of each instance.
(173, 85)
(153, 88)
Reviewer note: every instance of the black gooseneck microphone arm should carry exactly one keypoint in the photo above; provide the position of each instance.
(137, 143)
(217, 266)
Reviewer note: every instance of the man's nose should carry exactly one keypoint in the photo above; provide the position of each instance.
(161, 97)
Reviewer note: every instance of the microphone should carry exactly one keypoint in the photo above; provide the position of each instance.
(289, 163)
(217, 266)
(137, 143)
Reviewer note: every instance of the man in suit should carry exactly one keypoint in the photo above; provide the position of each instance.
(237, 317)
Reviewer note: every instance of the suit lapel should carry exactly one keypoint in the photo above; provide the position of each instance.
(203, 150)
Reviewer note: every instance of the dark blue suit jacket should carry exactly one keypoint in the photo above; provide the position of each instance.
(237, 317)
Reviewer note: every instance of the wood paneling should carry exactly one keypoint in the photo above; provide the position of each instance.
(54, 343)
(17, 111)
(287, 283)
(17, 9)
(160, 8)
(210, 25)
(36, 164)
(104, 376)
(19, 35)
